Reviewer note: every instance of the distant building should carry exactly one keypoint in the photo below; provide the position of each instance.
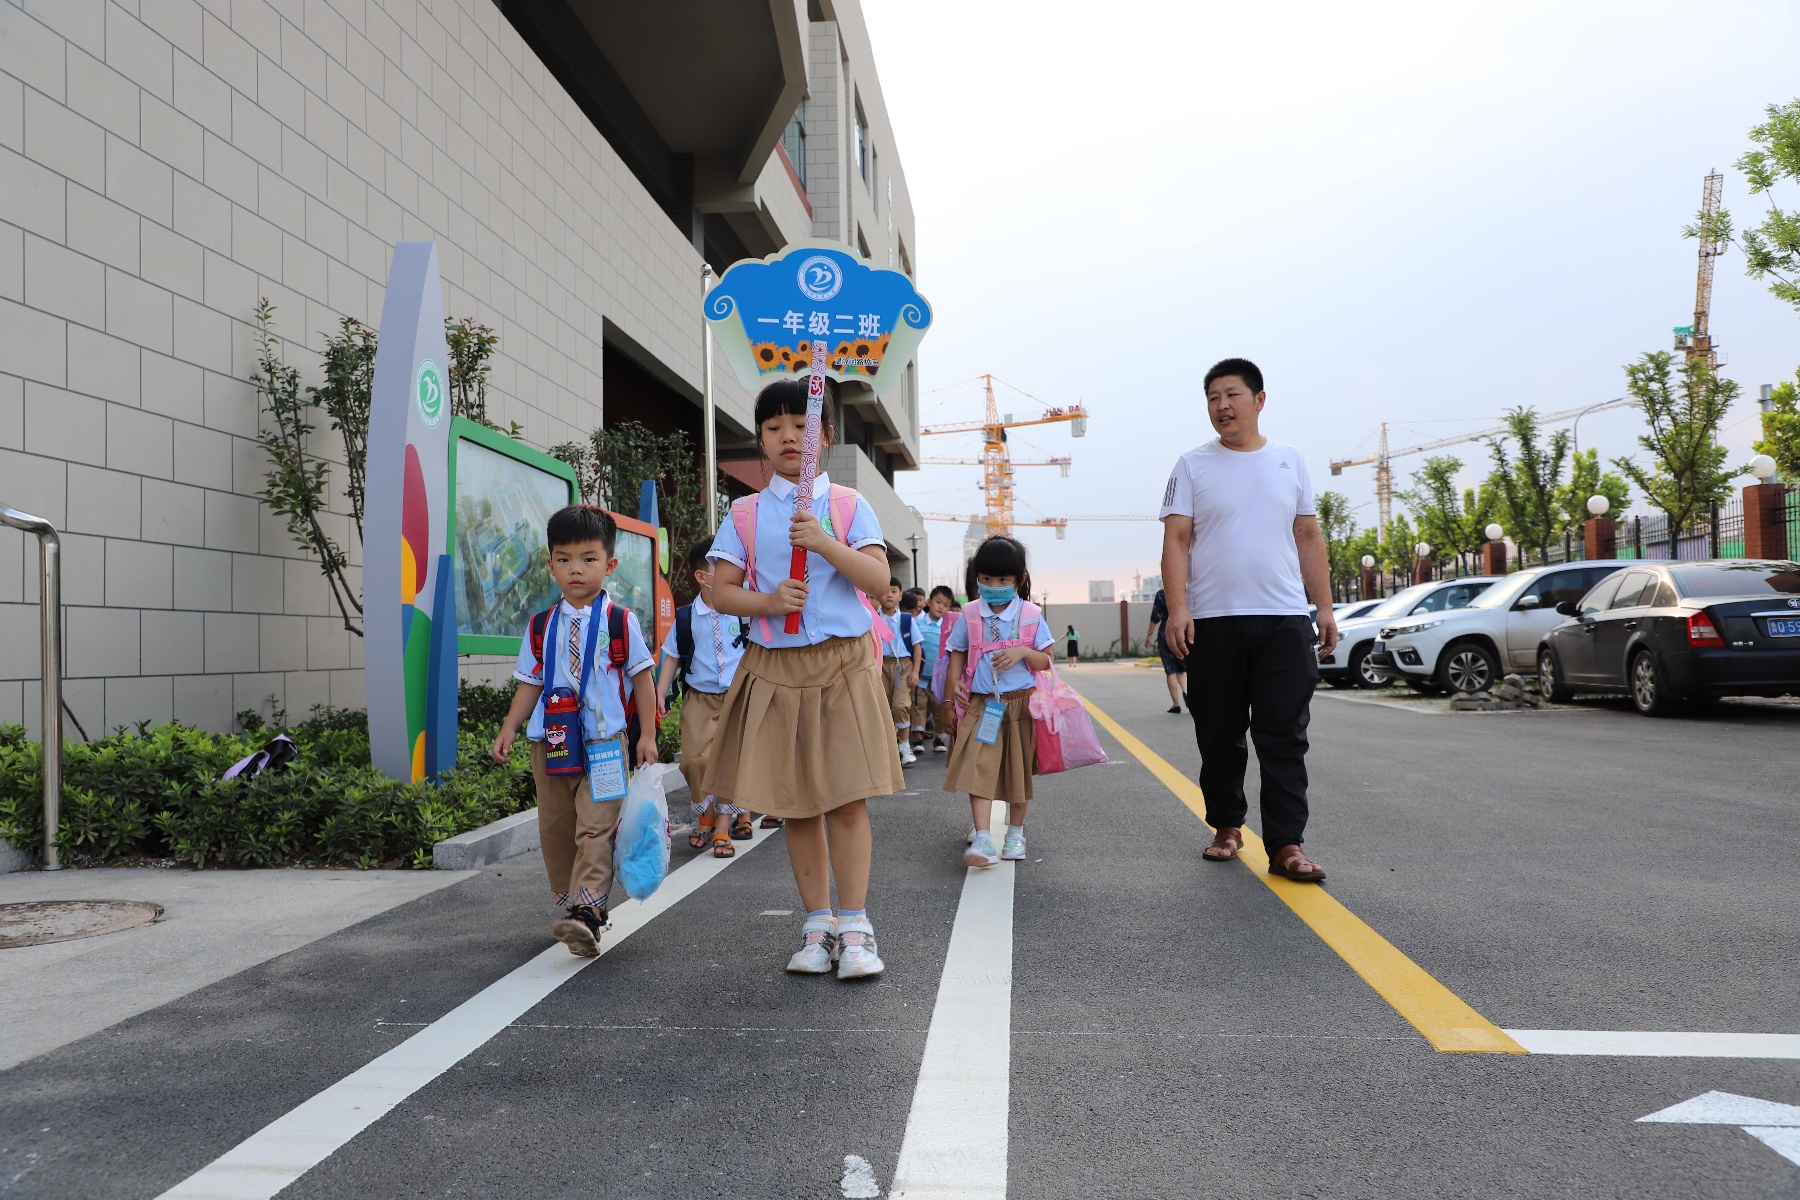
(1145, 589)
(1100, 591)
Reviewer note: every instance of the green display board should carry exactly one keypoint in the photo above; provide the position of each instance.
(503, 493)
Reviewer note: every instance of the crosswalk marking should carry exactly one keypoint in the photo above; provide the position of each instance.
(956, 1135)
(292, 1144)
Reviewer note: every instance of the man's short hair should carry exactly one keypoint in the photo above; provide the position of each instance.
(696, 555)
(1243, 368)
(582, 523)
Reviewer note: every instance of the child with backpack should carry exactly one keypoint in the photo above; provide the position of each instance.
(926, 707)
(996, 648)
(899, 666)
(705, 646)
(804, 731)
(586, 700)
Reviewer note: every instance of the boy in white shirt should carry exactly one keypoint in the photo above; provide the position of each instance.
(900, 667)
(706, 646)
(584, 679)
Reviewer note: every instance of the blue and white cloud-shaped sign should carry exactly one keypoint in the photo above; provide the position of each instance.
(767, 313)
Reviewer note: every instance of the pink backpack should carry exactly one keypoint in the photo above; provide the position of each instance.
(841, 513)
(1029, 617)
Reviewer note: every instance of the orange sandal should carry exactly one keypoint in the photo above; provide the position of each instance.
(722, 847)
(1227, 841)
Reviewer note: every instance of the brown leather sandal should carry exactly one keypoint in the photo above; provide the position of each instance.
(1227, 841)
(1290, 862)
(770, 822)
(741, 829)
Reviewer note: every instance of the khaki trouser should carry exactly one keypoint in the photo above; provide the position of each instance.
(576, 835)
(893, 677)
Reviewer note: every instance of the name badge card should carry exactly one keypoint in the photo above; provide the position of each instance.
(988, 732)
(606, 770)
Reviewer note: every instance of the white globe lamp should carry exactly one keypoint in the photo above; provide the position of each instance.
(1494, 532)
(1763, 467)
(1598, 506)
(1368, 562)
(1423, 549)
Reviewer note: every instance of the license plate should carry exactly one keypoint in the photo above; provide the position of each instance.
(1784, 626)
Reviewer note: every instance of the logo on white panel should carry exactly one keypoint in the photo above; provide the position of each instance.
(820, 277)
(429, 388)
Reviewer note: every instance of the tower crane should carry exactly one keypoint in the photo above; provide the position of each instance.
(1696, 340)
(1383, 457)
(997, 465)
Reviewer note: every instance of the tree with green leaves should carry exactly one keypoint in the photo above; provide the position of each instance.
(1772, 249)
(1527, 478)
(1781, 430)
(1452, 524)
(1588, 479)
(1687, 470)
(1339, 526)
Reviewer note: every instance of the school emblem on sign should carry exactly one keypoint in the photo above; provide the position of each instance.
(431, 394)
(769, 314)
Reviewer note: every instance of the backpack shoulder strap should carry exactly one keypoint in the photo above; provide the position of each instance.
(536, 629)
(1030, 616)
(617, 639)
(684, 636)
(743, 519)
(843, 511)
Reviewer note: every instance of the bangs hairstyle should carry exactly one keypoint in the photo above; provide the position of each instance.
(696, 555)
(999, 555)
(582, 523)
(787, 397)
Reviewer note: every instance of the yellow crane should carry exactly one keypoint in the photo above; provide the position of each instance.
(1696, 340)
(997, 465)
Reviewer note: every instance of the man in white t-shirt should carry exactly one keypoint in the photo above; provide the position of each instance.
(1242, 552)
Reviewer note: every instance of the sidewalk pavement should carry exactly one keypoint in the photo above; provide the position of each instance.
(214, 924)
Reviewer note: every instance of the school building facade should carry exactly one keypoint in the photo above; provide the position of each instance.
(164, 164)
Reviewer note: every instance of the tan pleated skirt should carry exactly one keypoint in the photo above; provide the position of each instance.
(804, 731)
(1003, 770)
(699, 723)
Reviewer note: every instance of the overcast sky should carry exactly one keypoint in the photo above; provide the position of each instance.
(1418, 213)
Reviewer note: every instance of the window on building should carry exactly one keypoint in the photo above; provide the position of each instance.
(862, 142)
(793, 140)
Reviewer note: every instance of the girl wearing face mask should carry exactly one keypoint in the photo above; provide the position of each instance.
(995, 650)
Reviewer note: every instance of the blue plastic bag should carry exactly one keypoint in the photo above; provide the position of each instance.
(641, 853)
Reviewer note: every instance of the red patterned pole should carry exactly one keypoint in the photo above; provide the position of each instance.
(809, 458)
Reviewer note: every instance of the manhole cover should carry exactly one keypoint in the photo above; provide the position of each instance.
(40, 921)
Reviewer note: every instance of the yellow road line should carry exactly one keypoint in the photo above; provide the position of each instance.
(1446, 1021)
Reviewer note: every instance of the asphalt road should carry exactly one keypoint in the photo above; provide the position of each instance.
(1176, 1030)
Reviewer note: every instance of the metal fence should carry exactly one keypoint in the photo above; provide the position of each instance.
(1717, 534)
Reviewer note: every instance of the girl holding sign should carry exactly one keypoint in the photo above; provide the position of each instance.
(805, 733)
(995, 649)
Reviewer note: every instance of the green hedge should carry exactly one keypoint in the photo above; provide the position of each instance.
(156, 793)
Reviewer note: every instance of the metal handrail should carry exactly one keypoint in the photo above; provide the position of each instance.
(51, 670)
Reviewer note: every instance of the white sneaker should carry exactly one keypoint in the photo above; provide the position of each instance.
(969, 837)
(857, 956)
(1013, 848)
(818, 946)
(981, 851)
(907, 757)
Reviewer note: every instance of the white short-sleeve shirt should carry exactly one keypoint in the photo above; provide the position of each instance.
(1243, 561)
(833, 609)
(716, 649)
(605, 710)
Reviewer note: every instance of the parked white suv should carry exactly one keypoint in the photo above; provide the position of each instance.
(1349, 665)
(1471, 649)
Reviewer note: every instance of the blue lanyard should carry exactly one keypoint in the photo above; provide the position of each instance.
(554, 649)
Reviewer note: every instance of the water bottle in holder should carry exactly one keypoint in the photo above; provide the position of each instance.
(564, 750)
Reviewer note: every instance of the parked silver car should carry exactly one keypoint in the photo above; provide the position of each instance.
(1349, 666)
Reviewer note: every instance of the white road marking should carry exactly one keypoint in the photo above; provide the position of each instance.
(859, 1179)
(1774, 1124)
(1634, 1044)
(292, 1144)
(956, 1135)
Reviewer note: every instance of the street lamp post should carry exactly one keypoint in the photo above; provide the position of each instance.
(914, 539)
(708, 419)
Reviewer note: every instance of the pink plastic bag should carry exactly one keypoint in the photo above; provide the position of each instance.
(1064, 731)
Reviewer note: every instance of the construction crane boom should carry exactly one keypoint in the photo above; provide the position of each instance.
(1696, 339)
(1383, 457)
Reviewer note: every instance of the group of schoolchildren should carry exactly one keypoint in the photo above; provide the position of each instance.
(791, 687)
